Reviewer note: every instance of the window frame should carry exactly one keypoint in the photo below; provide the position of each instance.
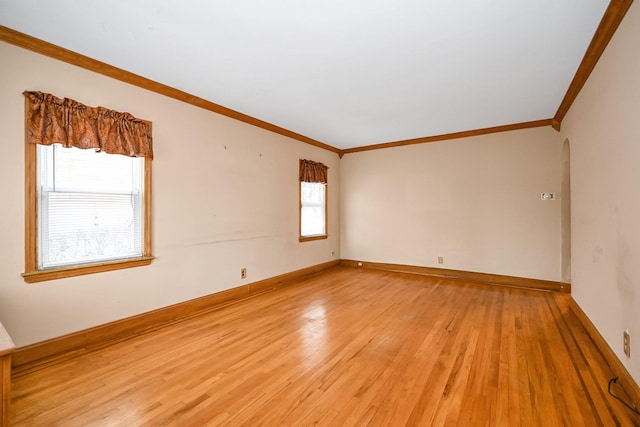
(32, 274)
(302, 238)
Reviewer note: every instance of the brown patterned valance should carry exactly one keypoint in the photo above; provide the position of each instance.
(51, 120)
(313, 171)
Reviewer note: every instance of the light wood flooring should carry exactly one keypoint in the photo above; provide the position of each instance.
(345, 347)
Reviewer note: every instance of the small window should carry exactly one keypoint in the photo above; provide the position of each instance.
(313, 210)
(89, 206)
(313, 200)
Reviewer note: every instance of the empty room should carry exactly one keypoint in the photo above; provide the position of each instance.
(320, 213)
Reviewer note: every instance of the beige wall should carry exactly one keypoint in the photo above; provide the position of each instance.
(475, 201)
(225, 197)
(603, 127)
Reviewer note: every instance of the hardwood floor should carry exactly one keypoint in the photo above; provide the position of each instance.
(345, 347)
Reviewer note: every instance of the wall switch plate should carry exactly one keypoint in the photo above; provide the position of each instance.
(243, 273)
(626, 343)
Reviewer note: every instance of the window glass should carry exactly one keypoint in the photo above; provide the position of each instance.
(313, 209)
(89, 206)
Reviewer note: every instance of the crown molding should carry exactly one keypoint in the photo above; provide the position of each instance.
(605, 31)
(608, 25)
(454, 135)
(53, 51)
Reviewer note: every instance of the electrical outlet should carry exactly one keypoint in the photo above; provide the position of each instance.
(440, 260)
(243, 273)
(626, 343)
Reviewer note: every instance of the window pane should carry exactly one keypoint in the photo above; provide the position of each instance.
(312, 193)
(91, 171)
(90, 227)
(312, 221)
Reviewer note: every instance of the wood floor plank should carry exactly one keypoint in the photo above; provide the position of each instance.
(345, 347)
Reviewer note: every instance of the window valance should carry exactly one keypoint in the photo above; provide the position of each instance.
(311, 171)
(51, 120)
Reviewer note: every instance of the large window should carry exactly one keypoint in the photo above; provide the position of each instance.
(89, 206)
(88, 189)
(313, 200)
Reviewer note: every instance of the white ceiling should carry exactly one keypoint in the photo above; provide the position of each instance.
(344, 72)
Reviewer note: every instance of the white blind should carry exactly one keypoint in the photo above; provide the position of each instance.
(90, 206)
